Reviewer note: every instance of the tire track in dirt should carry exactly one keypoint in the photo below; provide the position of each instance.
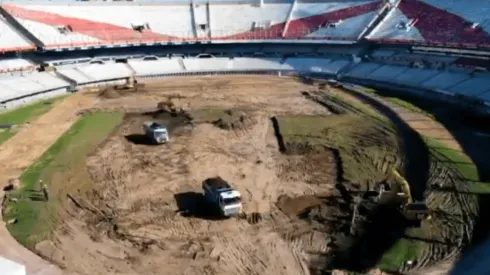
(268, 254)
(149, 228)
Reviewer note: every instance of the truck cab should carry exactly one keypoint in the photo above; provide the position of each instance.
(223, 196)
(230, 202)
(160, 135)
(156, 132)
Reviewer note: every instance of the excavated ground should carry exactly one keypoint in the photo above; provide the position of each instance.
(131, 222)
(298, 194)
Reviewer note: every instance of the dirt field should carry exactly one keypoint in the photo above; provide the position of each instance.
(259, 133)
(141, 189)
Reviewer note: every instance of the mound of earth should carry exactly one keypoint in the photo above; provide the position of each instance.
(234, 120)
(118, 91)
(298, 205)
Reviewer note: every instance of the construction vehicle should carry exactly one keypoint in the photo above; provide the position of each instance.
(219, 192)
(156, 132)
(413, 210)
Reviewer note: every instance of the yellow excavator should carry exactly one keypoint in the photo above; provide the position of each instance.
(411, 210)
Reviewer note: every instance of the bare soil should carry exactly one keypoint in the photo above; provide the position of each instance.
(298, 202)
(133, 220)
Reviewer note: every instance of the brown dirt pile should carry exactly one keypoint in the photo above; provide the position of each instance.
(298, 205)
(234, 120)
(118, 91)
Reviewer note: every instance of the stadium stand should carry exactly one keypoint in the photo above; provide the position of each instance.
(94, 73)
(362, 70)
(305, 25)
(342, 20)
(413, 76)
(454, 23)
(11, 40)
(474, 86)
(387, 72)
(156, 67)
(16, 88)
(16, 64)
(444, 80)
(256, 64)
(483, 63)
(307, 64)
(407, 58)
(87, 24)
(26, 87)
(465, 83)
(207, 64)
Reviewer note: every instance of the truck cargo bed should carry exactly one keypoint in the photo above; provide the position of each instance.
(215, 183)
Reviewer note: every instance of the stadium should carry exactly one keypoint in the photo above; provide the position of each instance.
(355, 132)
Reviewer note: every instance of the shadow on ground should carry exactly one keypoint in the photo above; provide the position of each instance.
(193, 204)
(138, 139)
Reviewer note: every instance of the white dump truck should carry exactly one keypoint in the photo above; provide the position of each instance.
(218, 192)
(156, 132)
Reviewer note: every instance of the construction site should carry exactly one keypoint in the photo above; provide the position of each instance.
(328, 179)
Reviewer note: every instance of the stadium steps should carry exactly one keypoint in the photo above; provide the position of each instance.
(84, 74)
(376, 21)
(182, 65)
(193, 19)
(72, 82)
(20, 29)
(133, 72)
(208, 18)
(290, 14)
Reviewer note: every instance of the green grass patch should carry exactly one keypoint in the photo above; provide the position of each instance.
(363, 143)
(403, 250)
(462, 163)
(25, 114)
(5, 135)
(399, 102)
(62, 168)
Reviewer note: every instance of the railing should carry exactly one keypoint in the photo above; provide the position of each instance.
(114, 39)
(441, 44)
(17, 70)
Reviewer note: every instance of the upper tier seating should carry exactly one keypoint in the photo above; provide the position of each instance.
(343, 20)
(89, 24)
(11, 40)
(455, 22)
